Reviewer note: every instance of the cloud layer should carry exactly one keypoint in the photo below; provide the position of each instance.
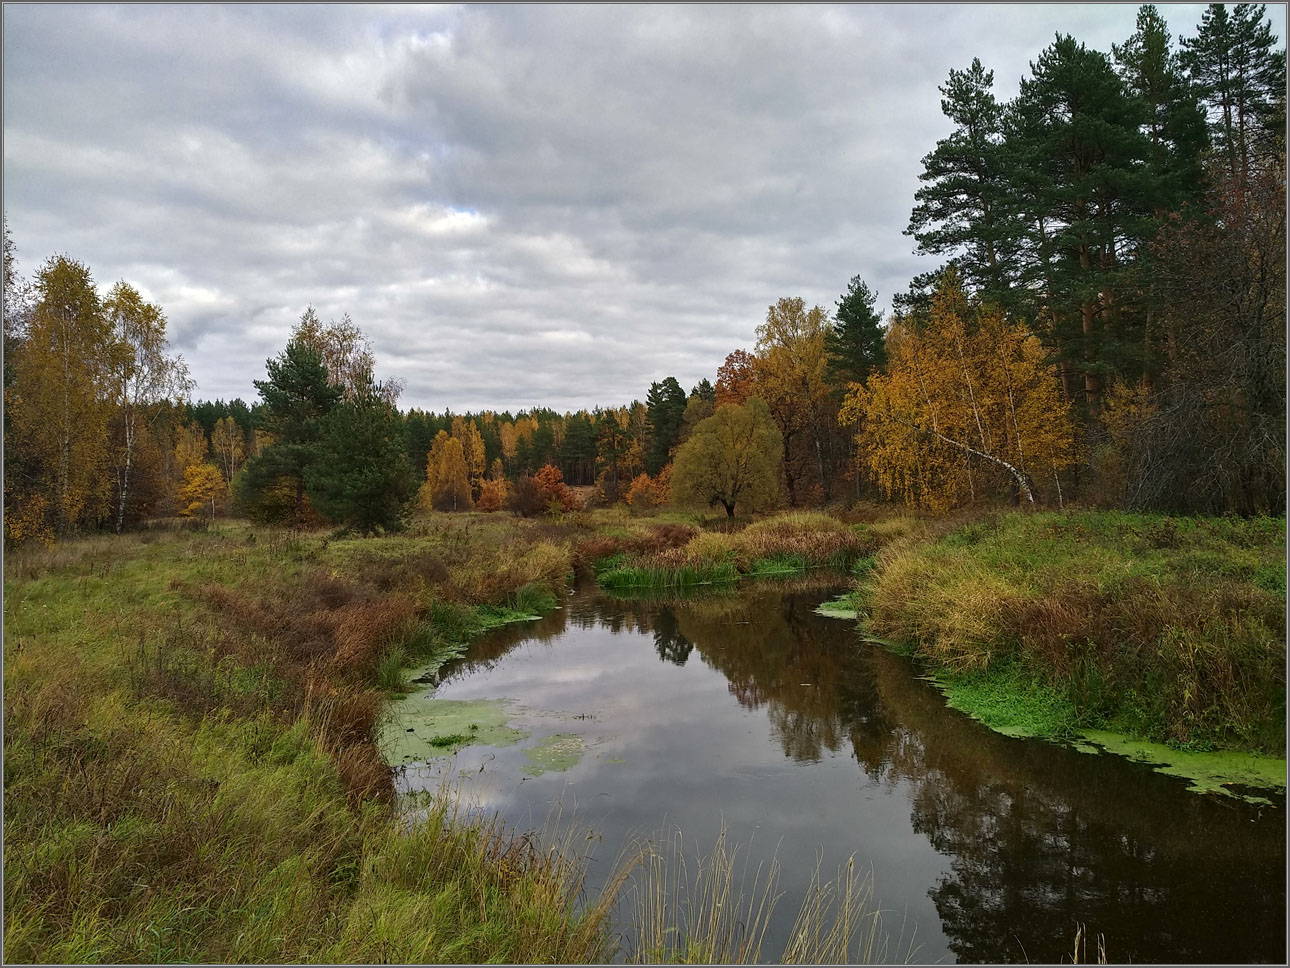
(519, 205)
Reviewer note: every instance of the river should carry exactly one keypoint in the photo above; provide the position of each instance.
(749, 710)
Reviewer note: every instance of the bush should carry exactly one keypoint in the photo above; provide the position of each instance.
(493, 495)
(526, 498)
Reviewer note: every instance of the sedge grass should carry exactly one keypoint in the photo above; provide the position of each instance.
(713, 914)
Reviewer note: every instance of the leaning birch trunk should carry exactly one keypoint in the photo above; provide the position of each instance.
(1018, 475)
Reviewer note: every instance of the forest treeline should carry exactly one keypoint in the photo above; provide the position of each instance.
(1107, 327)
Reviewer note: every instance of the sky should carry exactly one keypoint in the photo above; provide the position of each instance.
(519, 205)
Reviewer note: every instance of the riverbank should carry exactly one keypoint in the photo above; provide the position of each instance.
(192, 718)
(1167, 629)
(783, 545)
(191, 763)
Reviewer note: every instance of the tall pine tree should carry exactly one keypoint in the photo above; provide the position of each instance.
(960, 210)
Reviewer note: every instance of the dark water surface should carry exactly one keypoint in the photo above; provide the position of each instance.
(752, 711)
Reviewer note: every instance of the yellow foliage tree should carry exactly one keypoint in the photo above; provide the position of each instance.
(967, 400)
(472, 451)
(447, 487)
(190, 450)
(57, 408)
(203, 490)
(790, 373)
(506, 431)
(141, 376)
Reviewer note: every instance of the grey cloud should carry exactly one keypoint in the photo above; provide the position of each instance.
(519, 205)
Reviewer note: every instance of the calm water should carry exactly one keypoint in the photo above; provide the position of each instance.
(751, 710)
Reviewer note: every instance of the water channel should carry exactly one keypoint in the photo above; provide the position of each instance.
(750, 710)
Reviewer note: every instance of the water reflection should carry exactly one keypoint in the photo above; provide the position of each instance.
(1012, 841)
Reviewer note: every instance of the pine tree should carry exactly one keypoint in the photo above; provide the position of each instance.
(961, 208)
(297, 396)
(666, 409)
(1172, 117)
(854, 344)
(1079, 165)
(1241, 78)
(361, 477)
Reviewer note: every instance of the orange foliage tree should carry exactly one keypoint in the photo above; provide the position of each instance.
(650, 492)
(493, 494)
(555, 493)
(735, 379)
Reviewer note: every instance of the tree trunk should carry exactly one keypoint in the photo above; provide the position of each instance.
(125, 476)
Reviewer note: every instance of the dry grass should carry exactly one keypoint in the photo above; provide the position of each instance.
(716, 916)
(782, 543)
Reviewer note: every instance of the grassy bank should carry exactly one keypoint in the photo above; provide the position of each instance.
(191, 772)
(783, 545)
(1169, 629)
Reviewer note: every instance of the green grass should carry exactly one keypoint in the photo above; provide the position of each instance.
(191, 772)
(775, 565)
(651, 579)
(1171, 629)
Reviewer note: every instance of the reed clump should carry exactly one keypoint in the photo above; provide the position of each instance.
(707, 911)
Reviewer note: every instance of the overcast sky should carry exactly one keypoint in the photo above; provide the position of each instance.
(519, 205)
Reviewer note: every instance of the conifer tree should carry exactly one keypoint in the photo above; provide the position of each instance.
(361, 477)
(666, 409)
(854, 344)
(297, 396)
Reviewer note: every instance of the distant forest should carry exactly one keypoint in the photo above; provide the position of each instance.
(1107, 327)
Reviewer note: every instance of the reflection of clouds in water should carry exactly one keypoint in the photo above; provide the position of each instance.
(982, 838)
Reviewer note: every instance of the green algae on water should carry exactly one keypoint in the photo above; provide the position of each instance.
(1214, 772)
(555, 754)
(421, 727)
(841, 607)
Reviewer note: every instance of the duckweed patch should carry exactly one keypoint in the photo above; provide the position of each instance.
(1009, 701)
(555, 754)
(421, 727)
(844, 607)
(1217, 772)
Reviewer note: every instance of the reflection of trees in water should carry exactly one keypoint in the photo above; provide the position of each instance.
(775, 652)
(670, 644)
(1041, 836)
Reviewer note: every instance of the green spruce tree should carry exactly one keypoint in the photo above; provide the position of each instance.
(855, 343)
